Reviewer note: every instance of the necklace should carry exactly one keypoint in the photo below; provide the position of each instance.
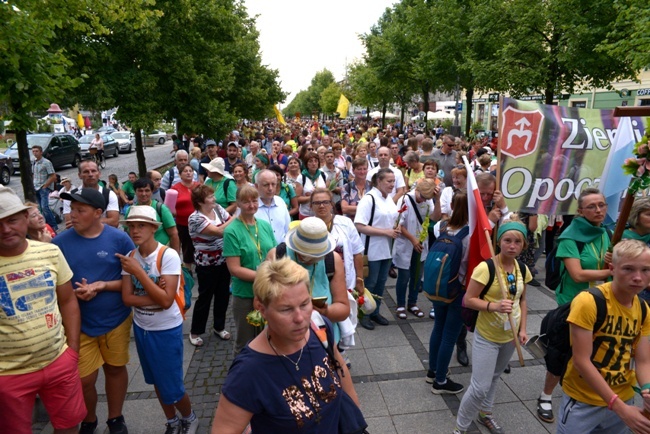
(268, 338)
(255, 238)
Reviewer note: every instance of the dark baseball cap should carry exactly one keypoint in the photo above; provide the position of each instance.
(88, 196)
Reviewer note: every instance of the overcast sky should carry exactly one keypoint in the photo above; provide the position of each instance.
(301, 37)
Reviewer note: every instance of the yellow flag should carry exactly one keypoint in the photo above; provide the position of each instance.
(278, 115)
(343, 107)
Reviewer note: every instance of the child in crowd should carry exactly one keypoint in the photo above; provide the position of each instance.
(150, 280)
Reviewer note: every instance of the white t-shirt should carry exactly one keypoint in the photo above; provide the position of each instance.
(384, 218)
(305, 208)
(402, 248)
(113, 205)
(171, 266)
(446, 196)
(399, 178)
(346, 236)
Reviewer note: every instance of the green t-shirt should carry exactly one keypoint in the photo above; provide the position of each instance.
(287, 193)
(219, 194)
(238, 241)
(167, 219)
(128, 189)
(592, 257)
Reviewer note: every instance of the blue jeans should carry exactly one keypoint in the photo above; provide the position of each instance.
(408, 277)
(443, 336)
(44, 204)
(376, 280)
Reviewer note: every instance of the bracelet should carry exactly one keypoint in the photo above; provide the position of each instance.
(360, 279)
(488, 306)
(612, 401)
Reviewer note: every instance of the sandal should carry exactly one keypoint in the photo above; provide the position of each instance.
(224, 334)
(197, 341)
(432, 313)
(416, 311)
(401, 312)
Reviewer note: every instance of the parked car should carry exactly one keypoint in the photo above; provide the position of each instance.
(60, 149)
(6, 169)
(106, 129)
(125, 140)
(156, 136)
(110, 145)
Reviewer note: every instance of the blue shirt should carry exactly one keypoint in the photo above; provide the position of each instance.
(94, 259)
(277, 215)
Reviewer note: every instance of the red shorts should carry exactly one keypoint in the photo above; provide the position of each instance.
(59, 387)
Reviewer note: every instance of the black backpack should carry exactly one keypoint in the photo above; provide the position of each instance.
(555, 332)
(281, 252)
(553, 265)
(470, 315)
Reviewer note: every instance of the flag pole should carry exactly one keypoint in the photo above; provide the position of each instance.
(498, 183)
(504, 295)
(636, 183)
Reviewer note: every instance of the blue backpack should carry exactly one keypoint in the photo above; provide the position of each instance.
(441, 281)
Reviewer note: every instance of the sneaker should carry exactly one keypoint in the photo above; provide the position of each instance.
(188, 427)
(432, 313)
(88, 427)
(458, 431)
(173, 429)
(117, 425)
(545, 410)
(488, 421)
(449, 388)
(431, 375)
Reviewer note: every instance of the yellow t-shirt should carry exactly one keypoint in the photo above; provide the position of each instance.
(31, 330)
(617, 335)
(494, 326)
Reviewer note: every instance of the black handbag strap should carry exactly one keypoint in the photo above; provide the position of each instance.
(372, 216)
(415, 207)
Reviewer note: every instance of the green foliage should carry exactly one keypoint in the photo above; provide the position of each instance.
(628, 39)
(329, 98)
(546, 47)
(308, 101)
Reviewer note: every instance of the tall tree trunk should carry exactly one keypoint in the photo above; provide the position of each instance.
(139, 151)
(401, 117)
(468, 104)
(25, 165)
(383, 115)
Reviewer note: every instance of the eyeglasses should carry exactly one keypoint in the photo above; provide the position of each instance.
(595, 206)
(512, 284)
(310, 149)
(321, 203)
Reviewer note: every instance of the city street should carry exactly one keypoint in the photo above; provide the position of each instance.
(155, 156)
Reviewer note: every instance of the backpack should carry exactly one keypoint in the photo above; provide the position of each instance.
(553, 265)
(470, 315)
(441, 281)
(183, 296)
(555, 332)
(281, 252)
(226, 183)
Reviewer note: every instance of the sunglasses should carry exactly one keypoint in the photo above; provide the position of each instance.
(512, 282)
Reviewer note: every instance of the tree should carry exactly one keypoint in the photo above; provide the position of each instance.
(547, 47)
(628, 39)
(319, 83)
(297, 105)
(33, 73)
(329, 98)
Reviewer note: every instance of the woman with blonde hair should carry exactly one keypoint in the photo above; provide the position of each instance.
(290, 348)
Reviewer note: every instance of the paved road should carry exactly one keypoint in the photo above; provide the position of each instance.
(155, 156)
